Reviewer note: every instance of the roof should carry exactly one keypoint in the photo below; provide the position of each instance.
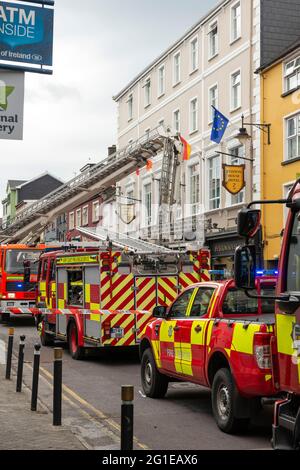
(189, 32)
(23, 183)
(291, 48)
(13, 184)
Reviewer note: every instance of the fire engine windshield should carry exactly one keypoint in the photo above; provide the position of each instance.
(15, 261)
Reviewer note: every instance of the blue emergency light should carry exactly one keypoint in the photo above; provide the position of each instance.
(267, 272)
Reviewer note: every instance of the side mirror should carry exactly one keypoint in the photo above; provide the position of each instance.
(27, 271)
(245, 267)
(248, 222)
(159, 311)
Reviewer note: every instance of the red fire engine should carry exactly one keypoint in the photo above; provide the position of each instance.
(286, 344)
(18, 293)
(215, 336)
(104, 297)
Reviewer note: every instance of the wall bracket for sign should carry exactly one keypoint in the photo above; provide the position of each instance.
(26, 35)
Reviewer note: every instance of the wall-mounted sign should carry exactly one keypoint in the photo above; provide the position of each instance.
(127, 213)
(26, 33)
(234, 178)
(11, 105)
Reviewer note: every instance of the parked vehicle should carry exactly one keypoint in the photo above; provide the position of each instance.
(104, 298)
(286, 356)
(215, 336)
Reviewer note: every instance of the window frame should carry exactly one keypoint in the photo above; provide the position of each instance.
(84, 224)
(174, 120)
(296, 72)
(71, 217)
(147, 92)
(161, 92)
(296, 136)
(232, 18)
(78, 211)
(187, 291)
(192, 131)
(177, 54)
(130, 107)
(232, 89)
(147, 218)
(210, 179)
(210, 110)
(195, 39)
(213, 25)
(94, 219)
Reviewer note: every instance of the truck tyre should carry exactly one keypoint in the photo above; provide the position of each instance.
(46, 338)
(4, 317)
(224, 398)
(155, 385)
(76, 351)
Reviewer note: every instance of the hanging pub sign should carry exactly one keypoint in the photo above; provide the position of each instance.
(127, 213)
(26, 33)
(234, 178)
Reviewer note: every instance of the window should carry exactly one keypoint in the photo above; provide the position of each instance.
(148, 204)
(202, 301)
(96, 211)
(194, 55)
(130, 197)
(71, 220)
(147, 132)
(147, 89)
(212, 101)
(176, 68)
(236, 160)
(161, 80)
(14, 261)
(85, 215)
(193, 115)
(213, 40)
(236, 302)
(130, 107)
(194, 189)
(161, 122)
(78, 218)
(179, 307)
(236, 21)
(292, 74)
(293, 137)
(75, 288)
(176, 120)
(214, 183)
(235, 90)
(293, 272)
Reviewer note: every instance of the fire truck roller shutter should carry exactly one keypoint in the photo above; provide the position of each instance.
(62, 280)
(167, 289)
(92, 326)
(146, 298)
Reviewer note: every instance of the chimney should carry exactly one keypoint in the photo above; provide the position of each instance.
(111, 150)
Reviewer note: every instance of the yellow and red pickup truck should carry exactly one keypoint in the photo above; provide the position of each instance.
(215, 336)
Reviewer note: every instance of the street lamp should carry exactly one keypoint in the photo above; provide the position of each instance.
(243, 135)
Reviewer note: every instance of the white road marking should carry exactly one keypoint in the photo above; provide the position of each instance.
(142, 394)
(2, 352)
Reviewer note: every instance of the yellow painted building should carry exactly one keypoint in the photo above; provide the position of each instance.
(280, 161)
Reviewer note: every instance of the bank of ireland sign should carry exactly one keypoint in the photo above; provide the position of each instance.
(26, 33)
(11, 105)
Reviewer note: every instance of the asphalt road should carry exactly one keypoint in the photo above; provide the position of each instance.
(181, 421)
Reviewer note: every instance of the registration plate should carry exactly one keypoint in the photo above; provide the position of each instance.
(117, 332)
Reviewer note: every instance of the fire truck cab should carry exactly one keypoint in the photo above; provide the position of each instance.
(103, 297)
(18, 276)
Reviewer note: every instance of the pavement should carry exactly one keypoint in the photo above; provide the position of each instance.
(23, 429)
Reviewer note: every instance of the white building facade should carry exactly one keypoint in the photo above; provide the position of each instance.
(213, 64)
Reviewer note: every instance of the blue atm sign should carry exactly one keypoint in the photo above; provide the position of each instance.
(26, 33)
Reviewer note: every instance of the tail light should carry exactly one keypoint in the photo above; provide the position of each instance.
(106, 329)
(262, 350)
(11, 296)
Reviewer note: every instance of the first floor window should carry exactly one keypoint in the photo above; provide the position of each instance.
(71, 221)
(85, 215)
(78, 218)
(213, 101)
(176, 120)
(147, 204)
(194, 115)
(293, 137)
(237, 153)
(235, 90)
(194, 189)
(292, 74)
(214, 177)
(96, 211)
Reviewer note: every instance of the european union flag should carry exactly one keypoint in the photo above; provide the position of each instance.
(219, 126)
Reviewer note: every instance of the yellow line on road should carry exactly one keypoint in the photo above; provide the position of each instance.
(88, 405)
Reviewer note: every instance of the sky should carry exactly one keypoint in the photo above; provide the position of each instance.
(99, 46)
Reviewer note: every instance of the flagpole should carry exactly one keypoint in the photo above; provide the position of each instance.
(232, 155)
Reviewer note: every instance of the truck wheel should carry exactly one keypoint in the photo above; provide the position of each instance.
(4, 317)
(76, 351)
(155, 385)
(224, 394)
(46, 338)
